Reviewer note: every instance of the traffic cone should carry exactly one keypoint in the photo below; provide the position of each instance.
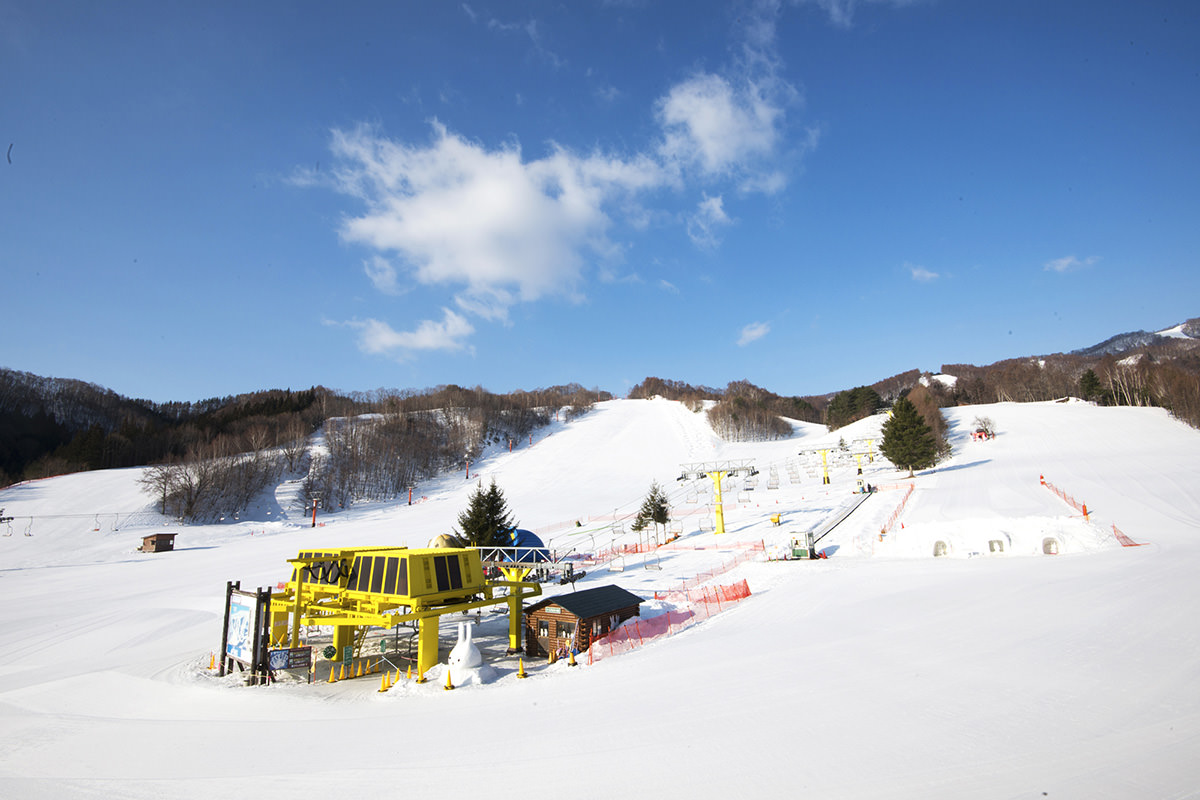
(383, 683)
(449, 685)
(332, 676)
(572, 663)
(360, 670)
(521, 668)
(212, 660)
(342, 672)
(408, 673)
(553, 656)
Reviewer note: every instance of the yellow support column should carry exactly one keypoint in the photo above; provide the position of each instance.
(427, 644)
(297, 606)
(719, 507)
(343, 637)
(514, 622)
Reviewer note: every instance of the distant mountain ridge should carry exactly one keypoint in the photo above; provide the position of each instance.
(1126, 342)
(51, 425)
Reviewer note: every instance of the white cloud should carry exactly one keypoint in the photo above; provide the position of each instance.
(730, 124)
(607, 93)
(841, 12)
(710, 212)
(499, 229)
(753, 332)
(379, 338)
(708, 123)
(1069, 263)
(382, 274)
(667, 286)
(921, 274)
(502, 229)
(531, 30)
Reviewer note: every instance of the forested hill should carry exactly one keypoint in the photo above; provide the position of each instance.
(52, 426)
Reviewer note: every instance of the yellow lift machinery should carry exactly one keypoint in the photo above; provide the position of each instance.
(352, 589)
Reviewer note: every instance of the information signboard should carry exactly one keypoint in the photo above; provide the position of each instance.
(243, 609)
(291, 658)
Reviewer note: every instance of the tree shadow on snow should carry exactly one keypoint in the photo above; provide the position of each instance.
(936, 470)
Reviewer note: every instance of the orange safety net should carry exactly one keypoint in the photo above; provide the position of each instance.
(1083, 509)
(638, 631)
(887, 526)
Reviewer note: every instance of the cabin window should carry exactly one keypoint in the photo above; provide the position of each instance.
(544, 628)
(597, 628)
(566, 630)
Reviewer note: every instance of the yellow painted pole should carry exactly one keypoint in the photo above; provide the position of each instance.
(343, 637)
(514, 622)
(296, 607)
(825, 466)
(427, 644)
(719, 510)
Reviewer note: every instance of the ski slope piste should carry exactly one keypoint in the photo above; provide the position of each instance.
(881, 671)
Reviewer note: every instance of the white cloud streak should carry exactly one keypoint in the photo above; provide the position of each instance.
(382, 275)
(1069, 264)
(701, 226)
(379, 338)
(841, 12)
(753, 332)
(922, 275)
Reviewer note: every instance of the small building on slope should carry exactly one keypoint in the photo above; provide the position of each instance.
(573, 620)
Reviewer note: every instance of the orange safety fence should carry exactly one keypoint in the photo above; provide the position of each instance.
(707, 594)
(1083, 509)
(887, 526)
(1125, 540)
(757, 550)
(1066, 498)
(634, 548)
(637, 631)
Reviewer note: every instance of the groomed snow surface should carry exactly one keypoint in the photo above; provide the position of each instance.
(879, 672)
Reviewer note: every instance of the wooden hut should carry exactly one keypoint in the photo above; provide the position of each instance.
(158, 543)
(572, 620)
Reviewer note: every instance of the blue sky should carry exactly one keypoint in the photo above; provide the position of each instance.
(201, 199)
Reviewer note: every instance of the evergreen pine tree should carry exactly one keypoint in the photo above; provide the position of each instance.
(1089, 385)
(486, 519)
(908, 442)
(655, 508)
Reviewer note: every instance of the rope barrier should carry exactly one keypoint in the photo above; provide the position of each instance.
(638, 632)
(1124, 540)
(895, 517)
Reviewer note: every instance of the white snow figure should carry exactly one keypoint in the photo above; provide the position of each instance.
(465, 663)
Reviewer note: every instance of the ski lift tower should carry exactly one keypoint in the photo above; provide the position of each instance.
(717, 470)
(824, 451)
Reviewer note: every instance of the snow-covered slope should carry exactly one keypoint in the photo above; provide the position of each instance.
(880, 672)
